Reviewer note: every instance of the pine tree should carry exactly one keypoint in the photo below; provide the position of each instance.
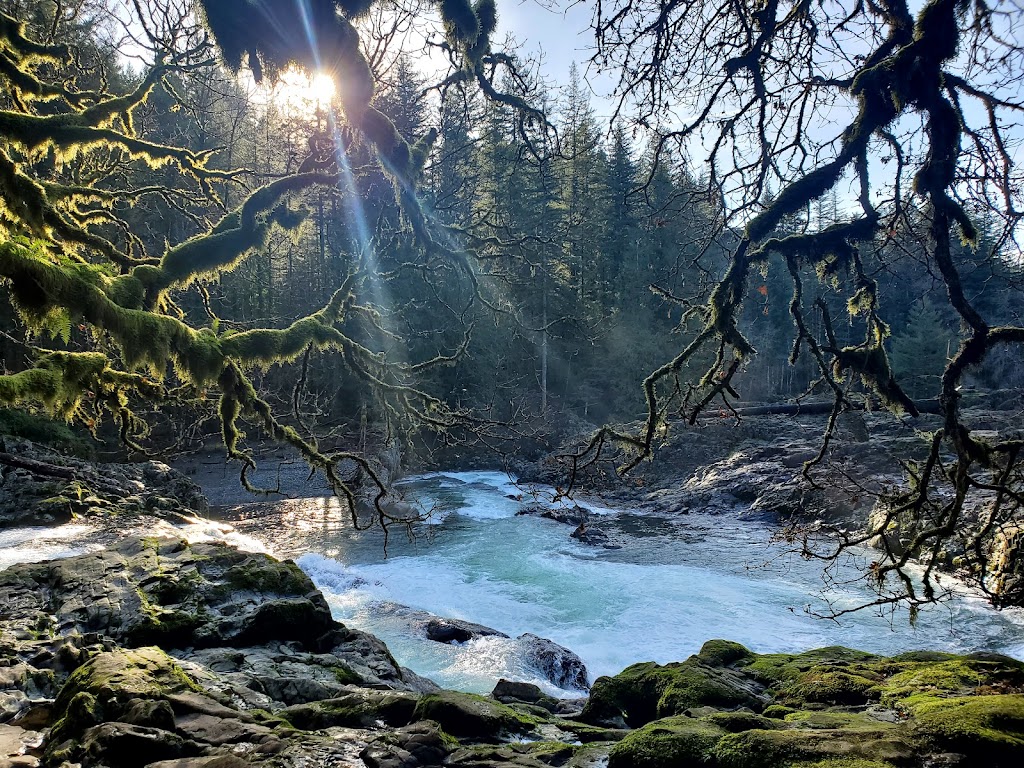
(624, 270)
(919, 353)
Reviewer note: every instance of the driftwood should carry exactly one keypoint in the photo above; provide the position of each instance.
(37, 467)
(819, 408)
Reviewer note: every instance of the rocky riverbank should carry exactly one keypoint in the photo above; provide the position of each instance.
(753, 466)
(169, 655)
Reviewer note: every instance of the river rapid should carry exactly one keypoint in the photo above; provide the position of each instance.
(660, 589)
(669, 586)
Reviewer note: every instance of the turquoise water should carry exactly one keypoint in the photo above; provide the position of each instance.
(671, 586)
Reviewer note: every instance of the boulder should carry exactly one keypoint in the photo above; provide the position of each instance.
(421, 744)
(558, 664)
(168, 592)
(471, 716)
(674, 741)
(507, 691)
(648, 691)
(573, 515)
(591, 534)
(356, 708)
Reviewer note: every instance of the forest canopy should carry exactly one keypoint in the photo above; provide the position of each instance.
(462, 250)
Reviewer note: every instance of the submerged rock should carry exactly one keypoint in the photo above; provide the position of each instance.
(570, 515)
(457, 631)
(561, 666)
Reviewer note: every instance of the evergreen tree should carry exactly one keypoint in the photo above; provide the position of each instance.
(919, 353)
(625, 268)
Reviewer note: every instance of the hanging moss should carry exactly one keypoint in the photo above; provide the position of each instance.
(237, 235)
(461, 25)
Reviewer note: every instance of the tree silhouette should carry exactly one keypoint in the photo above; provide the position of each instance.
(926, 147)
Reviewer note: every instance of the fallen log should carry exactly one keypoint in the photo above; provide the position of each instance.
(37, 467)
(816, 408)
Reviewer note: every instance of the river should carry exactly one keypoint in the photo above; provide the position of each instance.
(668, 586)
(672, 585)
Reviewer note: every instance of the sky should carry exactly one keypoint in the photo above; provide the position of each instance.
(563, 34)
(559, 36)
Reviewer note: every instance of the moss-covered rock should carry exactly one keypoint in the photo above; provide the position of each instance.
(648, 691)
(827, 708)
(419, 744)
(989, 730)
(742, 721)
(587, 733)
(668, 743)
(782, 748)
(167, 592)
(528, 754)
(950, 676)
(722, 653)
(471, 716)
(359, 708)
(118, 685)
(775, 668)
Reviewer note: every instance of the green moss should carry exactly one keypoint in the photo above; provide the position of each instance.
(924, 656)
(826, 686)
(115, 677)
(267, 575)
(590, 733)
(958, 675)
(466, 714)
(836, 720)
(783, 748)
(644, 692)
(359, 709)
(345, 675)
(165, 626)
(734, 722)
(982, 727)
(723, 652)
(82, 711)
(516, 753)
(667, 743)
(776, 668)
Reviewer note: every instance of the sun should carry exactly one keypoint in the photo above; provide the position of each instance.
(303, 91)
(298, 92)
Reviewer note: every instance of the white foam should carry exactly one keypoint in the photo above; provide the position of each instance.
(330, 576)
(201, 530)
(37, 543)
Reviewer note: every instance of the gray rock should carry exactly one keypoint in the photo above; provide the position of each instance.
(457, 631)
(557, 663)
(355, 708)
(165, 591)
(30, 498)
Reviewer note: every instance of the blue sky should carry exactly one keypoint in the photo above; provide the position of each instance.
(562, 34)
